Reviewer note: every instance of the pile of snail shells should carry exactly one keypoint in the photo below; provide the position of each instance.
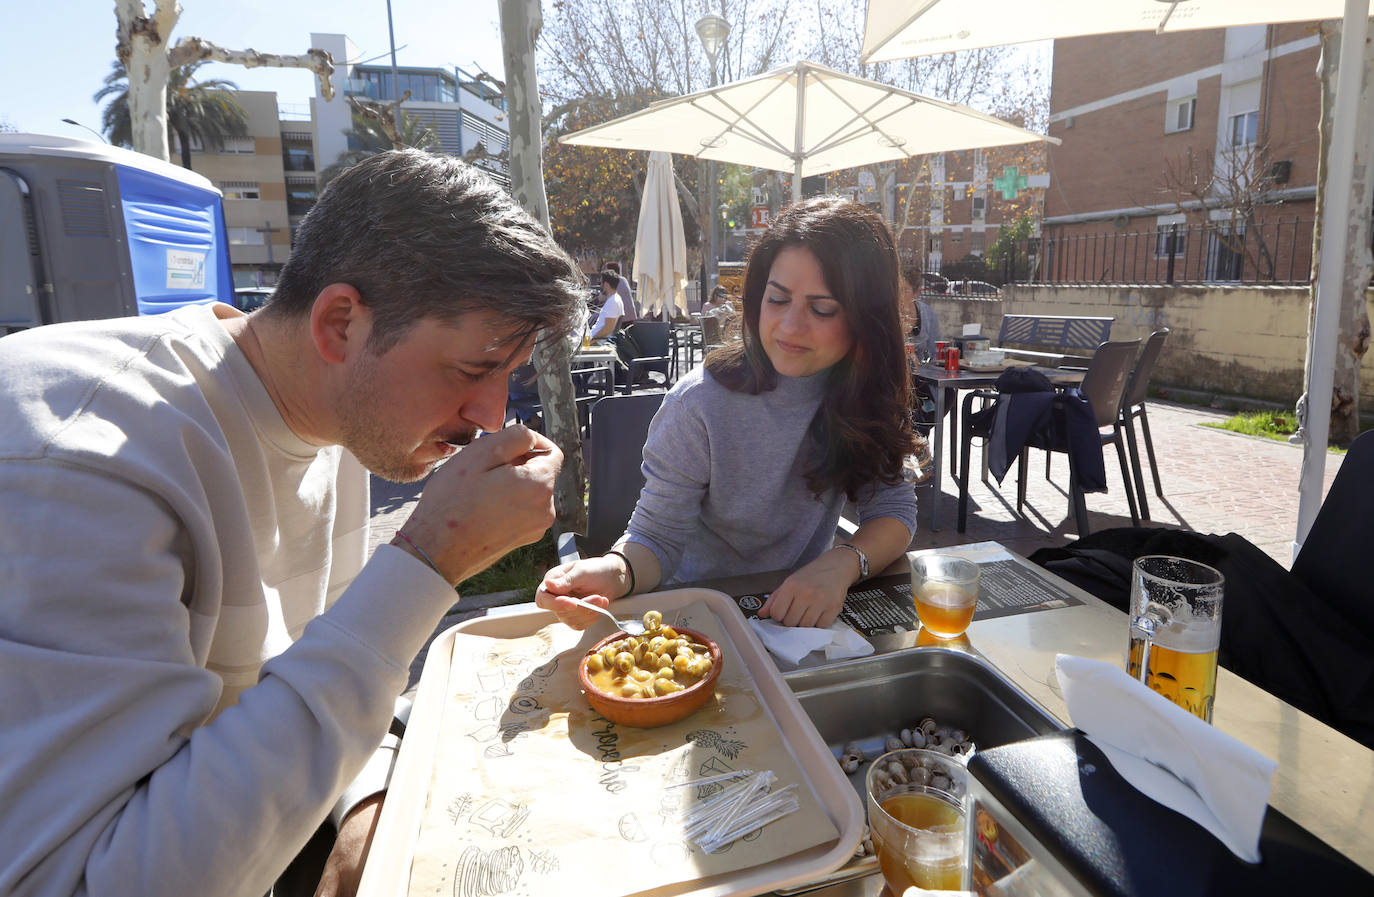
(865, 846)
(913, 770)
(926, 734)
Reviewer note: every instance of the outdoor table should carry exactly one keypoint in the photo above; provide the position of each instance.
(943, 380)
(594, 358)
(1324, 781)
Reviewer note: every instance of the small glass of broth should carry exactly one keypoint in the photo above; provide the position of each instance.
(917, 817)
(945, 589)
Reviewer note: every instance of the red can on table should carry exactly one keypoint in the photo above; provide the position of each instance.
(952, 358)
(941, 346)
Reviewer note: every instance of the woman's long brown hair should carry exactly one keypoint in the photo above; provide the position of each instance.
(863, 428)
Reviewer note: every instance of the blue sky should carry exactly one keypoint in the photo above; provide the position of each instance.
(57, 52)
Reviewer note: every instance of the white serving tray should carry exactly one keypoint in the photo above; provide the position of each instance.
(388, 867)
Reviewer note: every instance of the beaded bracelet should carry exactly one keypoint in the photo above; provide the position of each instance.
(433, 566)
(629, 568)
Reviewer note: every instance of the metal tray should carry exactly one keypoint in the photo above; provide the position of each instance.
(869, 699)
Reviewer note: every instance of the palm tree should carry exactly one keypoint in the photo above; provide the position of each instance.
(368, 137)
(204, 110)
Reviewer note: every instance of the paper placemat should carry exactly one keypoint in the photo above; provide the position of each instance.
(535, 793)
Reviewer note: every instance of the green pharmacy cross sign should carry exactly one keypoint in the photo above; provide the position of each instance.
(1010, 184)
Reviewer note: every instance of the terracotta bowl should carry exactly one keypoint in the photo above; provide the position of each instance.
(646, 713)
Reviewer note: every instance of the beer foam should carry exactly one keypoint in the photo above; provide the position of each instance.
(1189, 639)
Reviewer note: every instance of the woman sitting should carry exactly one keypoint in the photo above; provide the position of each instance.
(751, 458)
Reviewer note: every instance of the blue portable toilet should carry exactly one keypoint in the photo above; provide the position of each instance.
(89, 230)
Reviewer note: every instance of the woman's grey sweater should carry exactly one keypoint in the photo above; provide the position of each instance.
(725, 489)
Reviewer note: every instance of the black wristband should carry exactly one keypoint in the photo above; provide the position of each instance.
(629, 568)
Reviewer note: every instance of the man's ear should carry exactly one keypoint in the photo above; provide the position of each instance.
(339, 322)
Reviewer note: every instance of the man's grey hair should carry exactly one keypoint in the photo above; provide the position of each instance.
(425, 235)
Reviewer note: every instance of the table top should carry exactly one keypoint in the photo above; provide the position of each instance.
(1324, 781)
(962, 379)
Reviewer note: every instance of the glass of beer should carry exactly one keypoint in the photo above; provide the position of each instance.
(917, 806)
(945, 589)
(1175, 630)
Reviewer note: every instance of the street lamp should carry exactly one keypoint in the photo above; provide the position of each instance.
(98, 135)
(713, 30)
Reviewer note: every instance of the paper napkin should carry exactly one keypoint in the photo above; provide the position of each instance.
(792, 643)
(1170, 755)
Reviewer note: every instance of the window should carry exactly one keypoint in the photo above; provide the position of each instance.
(976, 243)
(246, 236)
(240, 145)
(301, 194)
(1244, 129)
(241, 189)
(297, 158)
(979, 206)
(1179, 115)
(1225, 251)
(1171, 239)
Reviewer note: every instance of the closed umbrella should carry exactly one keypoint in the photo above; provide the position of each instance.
(806, 119)
(896, 29)
(660, 243)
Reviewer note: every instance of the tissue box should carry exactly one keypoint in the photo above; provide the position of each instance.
(1050, 816)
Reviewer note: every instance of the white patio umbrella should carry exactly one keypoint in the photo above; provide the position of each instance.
(806, 119)
(896, 29)
(660, 242)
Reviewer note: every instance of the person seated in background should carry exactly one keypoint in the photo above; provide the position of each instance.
(752, 457)
(627, 300)
(925, 326)
(611, 308)
(718, 303)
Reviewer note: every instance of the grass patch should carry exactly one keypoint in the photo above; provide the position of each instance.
(1269, 424)
(522, 569)
(1278, 425)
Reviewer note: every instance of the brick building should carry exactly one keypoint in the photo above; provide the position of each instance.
(1188, 156)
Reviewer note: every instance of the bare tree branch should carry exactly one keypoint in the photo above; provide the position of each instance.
(193, 49)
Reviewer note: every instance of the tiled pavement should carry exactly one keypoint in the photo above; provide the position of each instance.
(1214, 481)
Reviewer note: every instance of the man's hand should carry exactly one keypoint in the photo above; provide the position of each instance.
(490, 498)
(344, 869)
(814, 595)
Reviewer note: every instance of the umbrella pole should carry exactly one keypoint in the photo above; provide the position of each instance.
(1326, 302)
(797, 149)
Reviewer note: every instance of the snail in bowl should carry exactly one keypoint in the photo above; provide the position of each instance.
(653, 679)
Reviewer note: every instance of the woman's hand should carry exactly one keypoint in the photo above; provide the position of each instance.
(813, 595)
(597, 580)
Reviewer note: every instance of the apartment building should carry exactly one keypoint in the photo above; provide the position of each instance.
(251, 171)
(461, 109)
(270, 177)
(943, 207)
(1203, 144)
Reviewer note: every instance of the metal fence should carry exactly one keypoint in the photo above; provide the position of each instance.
(1278, 251)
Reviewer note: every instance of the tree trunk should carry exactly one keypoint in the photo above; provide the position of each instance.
(520, 25)
(185, 149)
(1353, 339)
(141, 42)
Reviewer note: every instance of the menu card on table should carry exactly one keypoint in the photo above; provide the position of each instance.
(883, 605)
(534, 793)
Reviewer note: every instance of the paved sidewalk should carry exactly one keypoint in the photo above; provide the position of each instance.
(1215, 481)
